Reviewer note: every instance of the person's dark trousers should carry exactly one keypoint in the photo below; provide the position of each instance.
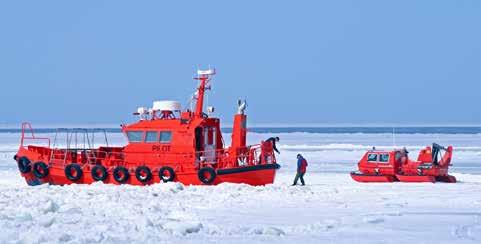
(299, 175)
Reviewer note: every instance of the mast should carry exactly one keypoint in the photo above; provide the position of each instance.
(204, 76)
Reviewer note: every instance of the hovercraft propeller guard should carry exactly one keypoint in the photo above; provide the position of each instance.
(389, 166)
(165, 144)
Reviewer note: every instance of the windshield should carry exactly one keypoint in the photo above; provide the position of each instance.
(134, 136)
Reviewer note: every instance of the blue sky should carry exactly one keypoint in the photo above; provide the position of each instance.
(402, 62)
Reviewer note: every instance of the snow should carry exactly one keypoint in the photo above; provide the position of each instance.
(331, 208)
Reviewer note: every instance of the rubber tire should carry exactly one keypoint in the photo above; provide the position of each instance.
(77, 169)
(24, 165)
(98, 177)
(146, 170)
(40, 170)
(118, 177)
(208, 180)
(162, 175)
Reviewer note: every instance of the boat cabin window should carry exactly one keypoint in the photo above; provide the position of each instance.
(135, 136)
(151, 136)
(384, 157)
(165, 136)
(372, 157)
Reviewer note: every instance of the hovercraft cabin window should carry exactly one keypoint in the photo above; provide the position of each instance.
(135, 136)
(165, 136)
(372, 157)
(384, 158)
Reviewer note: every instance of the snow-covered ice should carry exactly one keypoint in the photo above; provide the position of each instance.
(331, 208)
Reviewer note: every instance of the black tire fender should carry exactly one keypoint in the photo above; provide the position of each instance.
(206, 175)
(121, 174)
(40, 170)
(143, 174)
(73, 172)
(99, 173)
(24, 165)
(166, 174)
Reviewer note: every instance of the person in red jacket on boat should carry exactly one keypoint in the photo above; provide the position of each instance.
(273, 140)
(301, 169)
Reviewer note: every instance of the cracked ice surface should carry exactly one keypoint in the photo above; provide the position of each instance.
(331, 208)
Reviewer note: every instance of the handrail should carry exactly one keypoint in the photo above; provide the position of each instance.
(253, 155)
(220, 158)
(28, 126)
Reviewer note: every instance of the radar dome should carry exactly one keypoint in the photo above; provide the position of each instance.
(166, 106)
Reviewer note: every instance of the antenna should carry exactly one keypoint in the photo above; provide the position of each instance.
(393, 137)
(204, 76)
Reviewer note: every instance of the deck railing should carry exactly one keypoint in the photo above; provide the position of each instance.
(28, 127)
(113, 156)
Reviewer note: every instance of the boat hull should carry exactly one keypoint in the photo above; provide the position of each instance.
(447, 179)
(359, 177)
(256, 175)
(426, 178)
(416, 178)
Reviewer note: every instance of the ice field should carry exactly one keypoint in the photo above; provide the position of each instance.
(332, 208)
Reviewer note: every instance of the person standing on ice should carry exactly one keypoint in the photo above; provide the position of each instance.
(301, 169)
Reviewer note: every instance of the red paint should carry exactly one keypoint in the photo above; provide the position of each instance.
(390, 166)
(195, 142)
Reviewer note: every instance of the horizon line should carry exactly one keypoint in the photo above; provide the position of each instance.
(253, 125)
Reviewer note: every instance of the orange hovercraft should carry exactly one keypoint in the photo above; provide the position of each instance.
(388, 166)
(165, 144)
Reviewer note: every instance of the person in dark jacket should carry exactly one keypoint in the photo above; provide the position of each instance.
(273, 140)
(301, 169)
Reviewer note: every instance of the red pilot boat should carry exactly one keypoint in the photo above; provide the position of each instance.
(165, 144)
(389, 166)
